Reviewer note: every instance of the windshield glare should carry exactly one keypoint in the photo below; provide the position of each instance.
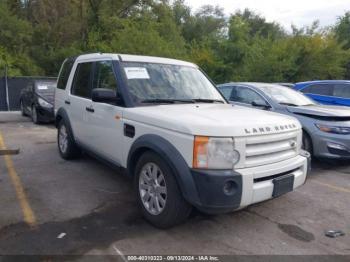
(151, 81)
(285, 95)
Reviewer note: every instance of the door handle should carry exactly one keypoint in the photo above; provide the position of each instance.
(90, 109)
(67, 102)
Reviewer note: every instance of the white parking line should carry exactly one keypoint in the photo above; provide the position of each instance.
(336, 188)
(120, 253)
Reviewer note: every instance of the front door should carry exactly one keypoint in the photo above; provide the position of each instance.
(106, 122)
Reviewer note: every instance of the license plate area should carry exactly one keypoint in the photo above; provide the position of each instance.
(282, 185)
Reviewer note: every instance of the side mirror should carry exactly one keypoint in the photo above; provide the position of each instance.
(103, 95)
(262, 104)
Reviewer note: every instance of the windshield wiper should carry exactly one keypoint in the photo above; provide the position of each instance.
(288, 104)
(166, 101)
(203, 100)
(174, 101)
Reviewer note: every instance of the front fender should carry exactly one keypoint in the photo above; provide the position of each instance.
(172, 157)
(62, 115)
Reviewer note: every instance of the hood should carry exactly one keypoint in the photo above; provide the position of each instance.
(212, 119)
(322, 112)
(48, 95)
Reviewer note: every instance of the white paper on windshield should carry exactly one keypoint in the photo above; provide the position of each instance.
(42, 87)
(136, 73)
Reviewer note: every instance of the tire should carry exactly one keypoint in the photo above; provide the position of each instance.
(169, 207)
(307, 143)
(65, 142)
(35, 117)
(23, 113)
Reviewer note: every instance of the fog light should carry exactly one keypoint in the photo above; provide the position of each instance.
(229, 187)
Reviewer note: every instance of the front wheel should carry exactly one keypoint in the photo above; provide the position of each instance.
(307, 143)
(66, 145)
(35, 117)
(158, 194)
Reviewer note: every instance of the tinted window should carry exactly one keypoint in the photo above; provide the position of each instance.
(104, 76)
(245, 95)
(226, 91)
(320, 89)
(81, 83)
(342, 90)
(64, 73)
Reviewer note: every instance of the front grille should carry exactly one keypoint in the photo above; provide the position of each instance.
(268, 149)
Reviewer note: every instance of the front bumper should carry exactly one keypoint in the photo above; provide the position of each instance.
(331, 145)
(45, 114)
(226, 190)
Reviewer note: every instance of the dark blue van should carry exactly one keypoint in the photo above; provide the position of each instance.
(328, 92)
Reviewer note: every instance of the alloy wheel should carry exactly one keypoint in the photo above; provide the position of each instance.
(152, 188)
(63, 139)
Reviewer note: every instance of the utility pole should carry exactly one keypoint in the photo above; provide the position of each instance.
(7, 87)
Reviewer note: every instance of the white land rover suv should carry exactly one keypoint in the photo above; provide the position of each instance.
(165, 124)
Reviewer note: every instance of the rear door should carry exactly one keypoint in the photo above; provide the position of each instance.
(342, 94)
(105, 130)
(79, 101)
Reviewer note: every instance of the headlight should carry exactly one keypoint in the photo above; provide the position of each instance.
(214, 153)
(334, 129)
(43, 103)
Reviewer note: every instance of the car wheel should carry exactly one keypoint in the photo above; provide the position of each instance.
(66, 145)
(158, 194)
(23, 113)
(35, 117)
(307, 143)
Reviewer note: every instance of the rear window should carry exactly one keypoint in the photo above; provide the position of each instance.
(64, 73)
(319, 89)
(342, 90)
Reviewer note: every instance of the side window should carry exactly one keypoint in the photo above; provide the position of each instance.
(342, 90)
(81, 83)
(320, 89)
(226, 91)
(64, 73)
(104, 76)
(246, 95)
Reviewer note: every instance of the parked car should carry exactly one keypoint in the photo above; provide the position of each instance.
(36, 100)
(166, 125)
(326, 128)
(328, 92)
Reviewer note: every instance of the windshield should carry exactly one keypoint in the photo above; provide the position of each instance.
(163, 83)
(286, 96)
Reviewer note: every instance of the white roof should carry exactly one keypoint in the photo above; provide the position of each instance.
(134, 58)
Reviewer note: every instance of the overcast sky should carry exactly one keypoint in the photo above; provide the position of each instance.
(297, 12)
